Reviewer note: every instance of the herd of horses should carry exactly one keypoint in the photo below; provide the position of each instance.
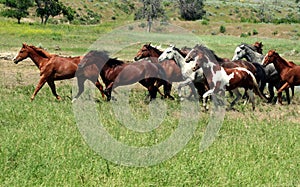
(199, 68)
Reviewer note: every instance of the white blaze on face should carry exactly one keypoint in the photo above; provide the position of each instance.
(237, 50)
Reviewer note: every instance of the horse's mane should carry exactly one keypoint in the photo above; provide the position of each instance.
(249, 46)
(112, 62)
(41, 51)
(287, 63)
(210, 53)
(180, 52)
(154, 48)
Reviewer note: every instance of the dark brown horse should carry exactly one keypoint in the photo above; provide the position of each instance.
(52, 67)
(116, 73)
(288, 71)
(172, 70)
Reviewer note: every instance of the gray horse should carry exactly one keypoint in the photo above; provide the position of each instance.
(273, 79)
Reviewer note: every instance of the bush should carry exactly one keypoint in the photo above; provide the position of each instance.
(254, 32)
(243, 35)
(204, 22)
(222, 29)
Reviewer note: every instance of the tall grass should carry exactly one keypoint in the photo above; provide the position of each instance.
(42, 146)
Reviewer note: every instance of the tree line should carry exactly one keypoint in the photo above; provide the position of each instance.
(150, 9)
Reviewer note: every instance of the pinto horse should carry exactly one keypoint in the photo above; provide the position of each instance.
(52, 67)
(116, 73)
(288, 71)
(221, 79)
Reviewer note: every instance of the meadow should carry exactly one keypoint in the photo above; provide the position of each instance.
(41, 143)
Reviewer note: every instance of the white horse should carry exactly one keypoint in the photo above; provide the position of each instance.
(190, 76)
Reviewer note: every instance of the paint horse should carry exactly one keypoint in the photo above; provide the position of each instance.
(288, 71)
(272, 77)
(221, 79)
(52, 67)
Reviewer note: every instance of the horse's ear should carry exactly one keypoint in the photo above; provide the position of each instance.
(24, 44)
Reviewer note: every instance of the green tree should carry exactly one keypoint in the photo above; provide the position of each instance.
(151, 9)
(47, 8)
(17, 9)
(191, 9)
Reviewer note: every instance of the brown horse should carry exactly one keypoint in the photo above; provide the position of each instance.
(288, 71)
(52, 67)
(221, 79)
(173, 71)
(116, 73)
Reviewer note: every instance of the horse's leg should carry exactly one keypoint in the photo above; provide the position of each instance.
(167, 90)
(39, 86)
(283, 87)
(53, 89)
(251, 98)
(183, 84)
(80, 84)
(100, 88)
(108, 91)
(293, 91)
(287, 93)
(237, 97)
(159, 84)
(271, 91)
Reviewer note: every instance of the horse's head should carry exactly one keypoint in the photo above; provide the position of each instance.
(23, 54)
(147, 50)
(258, 46)
(167, 54)
(270, 57)
(239, 52)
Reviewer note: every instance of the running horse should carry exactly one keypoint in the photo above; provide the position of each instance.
(288, 71)
(221, 79)
(272, 77)
(116, 73)
(172, 70)
(52, 67)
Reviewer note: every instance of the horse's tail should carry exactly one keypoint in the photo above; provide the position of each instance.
(255, 84)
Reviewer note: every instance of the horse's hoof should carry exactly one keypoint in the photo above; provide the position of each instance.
(74, 99)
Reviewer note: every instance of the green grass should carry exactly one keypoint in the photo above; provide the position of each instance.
(41, 145)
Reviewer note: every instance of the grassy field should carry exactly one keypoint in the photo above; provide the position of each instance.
(42, 145)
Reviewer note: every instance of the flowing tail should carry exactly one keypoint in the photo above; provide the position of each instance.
(255, 86)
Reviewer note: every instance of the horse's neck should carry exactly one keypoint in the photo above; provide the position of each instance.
(281, 64)
(253, 56)
(37, 59)
(179, 60)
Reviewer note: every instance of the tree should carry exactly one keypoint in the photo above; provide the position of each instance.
(151, 10)
(47, 8)
(17, 9)
(191, 9)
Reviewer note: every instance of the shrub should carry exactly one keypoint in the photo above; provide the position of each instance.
(204, 22)
(243, 35)
(254, 32)
(222, 29)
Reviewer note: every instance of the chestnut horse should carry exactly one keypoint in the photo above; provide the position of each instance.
(288, 71)
(221, 79)
(52, 67)
(173, 71)
(116, 73)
